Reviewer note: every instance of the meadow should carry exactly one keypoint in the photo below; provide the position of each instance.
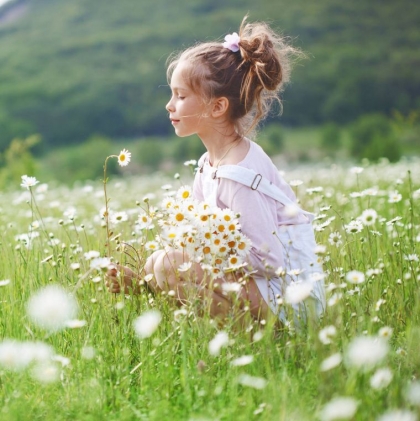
(70, 350)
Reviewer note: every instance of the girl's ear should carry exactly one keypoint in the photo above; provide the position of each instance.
(220, 107)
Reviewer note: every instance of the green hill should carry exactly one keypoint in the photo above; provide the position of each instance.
(72, 69)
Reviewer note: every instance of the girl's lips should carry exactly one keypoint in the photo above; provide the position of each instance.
(173, 121)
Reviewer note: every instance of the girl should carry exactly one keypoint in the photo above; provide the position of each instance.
(221, 91)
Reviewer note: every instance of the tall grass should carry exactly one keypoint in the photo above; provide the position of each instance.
(112, 374)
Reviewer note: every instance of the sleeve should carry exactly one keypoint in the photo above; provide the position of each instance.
(258, 218)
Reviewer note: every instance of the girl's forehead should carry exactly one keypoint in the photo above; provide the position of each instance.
(179, 77)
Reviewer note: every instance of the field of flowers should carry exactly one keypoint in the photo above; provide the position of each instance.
(70, 350)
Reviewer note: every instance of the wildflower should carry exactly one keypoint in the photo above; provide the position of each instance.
(124, 158)
(355, 277)
(144, 221)
(381, 378)
(74, 324)
(28, 182)
(4, 282)
(88, 352)
(185, 267)
(356, 170)
(75, 266)
(52, 307)
(365, 352)
(354, 227)
(257, 336)
(217, 343)
(100, 263)
(412, 393)
(92, 254)
(398, 415)
(241, 361)
(16, 355)
(339, 408)
(231, 287)
(320, 249)
(296, 292)
(184, 192)
(146, 324)
(252, 381)
(295, 183)
(412, 257)
(394, 220)
(368, 217)
(335, 239)
(314, 190)
(190, 163)
(46, 372)
(385, 332)
(118, 217)
(394, 197)
(326, 333)
(331, 362)
(334, 299)
(379, 304)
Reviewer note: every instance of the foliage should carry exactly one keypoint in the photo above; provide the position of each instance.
(373, 138)
(17, 160)
(101, 370)
(75, 69)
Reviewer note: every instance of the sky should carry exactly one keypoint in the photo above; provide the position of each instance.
(2, 2)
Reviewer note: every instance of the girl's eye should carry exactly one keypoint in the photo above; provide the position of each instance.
(181, 97)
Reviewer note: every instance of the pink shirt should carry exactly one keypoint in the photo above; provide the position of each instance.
(259, 214)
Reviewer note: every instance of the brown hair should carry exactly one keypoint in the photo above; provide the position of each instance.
(251, 78)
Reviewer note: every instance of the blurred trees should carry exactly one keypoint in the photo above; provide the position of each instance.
(71, 70)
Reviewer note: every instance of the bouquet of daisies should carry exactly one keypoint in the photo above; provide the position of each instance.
(209, 235)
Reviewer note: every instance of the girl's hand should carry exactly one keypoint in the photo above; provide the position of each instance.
(121, 277)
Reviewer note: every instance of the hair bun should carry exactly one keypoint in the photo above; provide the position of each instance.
(258, 51)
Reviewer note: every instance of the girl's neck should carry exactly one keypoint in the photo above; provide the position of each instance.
(231, 150)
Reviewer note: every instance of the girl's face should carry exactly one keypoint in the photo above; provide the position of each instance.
(187, 111)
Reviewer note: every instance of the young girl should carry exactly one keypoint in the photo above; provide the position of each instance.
(221, 91)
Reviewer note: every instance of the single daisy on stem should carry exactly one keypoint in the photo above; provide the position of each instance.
(124, 158)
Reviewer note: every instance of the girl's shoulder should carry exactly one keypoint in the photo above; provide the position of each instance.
(257, 160)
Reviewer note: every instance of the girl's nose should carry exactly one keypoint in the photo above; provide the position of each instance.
(169, 106)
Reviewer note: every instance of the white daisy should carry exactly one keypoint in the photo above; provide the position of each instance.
(124, 158)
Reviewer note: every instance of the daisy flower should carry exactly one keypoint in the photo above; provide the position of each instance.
(118, 217)
(335, 239)
(368, 217)
(185, 192)
(146, 324)
(124, 158)
(354, 227)
(152, 246)
(28, 182)
(355, 277)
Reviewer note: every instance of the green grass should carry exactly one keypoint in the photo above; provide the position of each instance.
(172, 375)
